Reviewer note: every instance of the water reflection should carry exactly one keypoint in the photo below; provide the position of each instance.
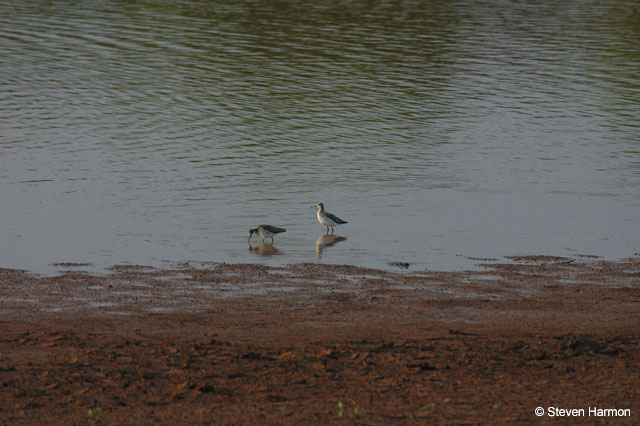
(265, 249)
(327, 240)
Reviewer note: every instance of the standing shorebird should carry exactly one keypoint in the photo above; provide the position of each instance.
(265, 231)
(327, 219)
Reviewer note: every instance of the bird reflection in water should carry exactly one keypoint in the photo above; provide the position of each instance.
(265, 249)
(327, 240)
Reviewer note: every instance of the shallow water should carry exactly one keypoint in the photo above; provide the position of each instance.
(155, 132)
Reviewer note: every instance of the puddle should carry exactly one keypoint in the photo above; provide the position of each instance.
(487, 277)
(17, 299)
(54, 309)
(101, 304)
(179, 276)
(161, 309)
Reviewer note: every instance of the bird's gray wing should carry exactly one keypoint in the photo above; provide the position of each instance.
(273, 229)
(335, 218)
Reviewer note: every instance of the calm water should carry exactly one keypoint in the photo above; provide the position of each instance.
(161, 131)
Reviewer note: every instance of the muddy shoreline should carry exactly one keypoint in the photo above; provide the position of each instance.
(317, 344)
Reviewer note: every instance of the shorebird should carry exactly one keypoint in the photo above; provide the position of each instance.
(327, 219)
(265, 231)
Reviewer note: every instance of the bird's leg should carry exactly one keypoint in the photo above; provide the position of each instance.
(271, 240)
(332, 230)
(327, 229)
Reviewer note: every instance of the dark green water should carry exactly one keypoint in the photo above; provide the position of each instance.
(161, 131)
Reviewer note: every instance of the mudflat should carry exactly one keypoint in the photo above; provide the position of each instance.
(322, 344)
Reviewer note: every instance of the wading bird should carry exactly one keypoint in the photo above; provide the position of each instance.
(327, 219)
(265, 231)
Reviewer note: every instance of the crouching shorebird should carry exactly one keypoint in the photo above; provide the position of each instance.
(327, 219)
(265, 231)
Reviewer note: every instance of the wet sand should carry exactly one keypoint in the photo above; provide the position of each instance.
(321, 344)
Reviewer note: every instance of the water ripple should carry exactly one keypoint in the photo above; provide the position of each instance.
(464, 124)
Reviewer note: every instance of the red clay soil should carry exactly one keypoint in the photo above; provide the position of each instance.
(322, 344)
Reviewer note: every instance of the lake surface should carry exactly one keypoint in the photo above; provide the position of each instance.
(155, 132)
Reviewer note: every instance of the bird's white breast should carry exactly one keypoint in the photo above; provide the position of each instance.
(264, 233)
(324, 219)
